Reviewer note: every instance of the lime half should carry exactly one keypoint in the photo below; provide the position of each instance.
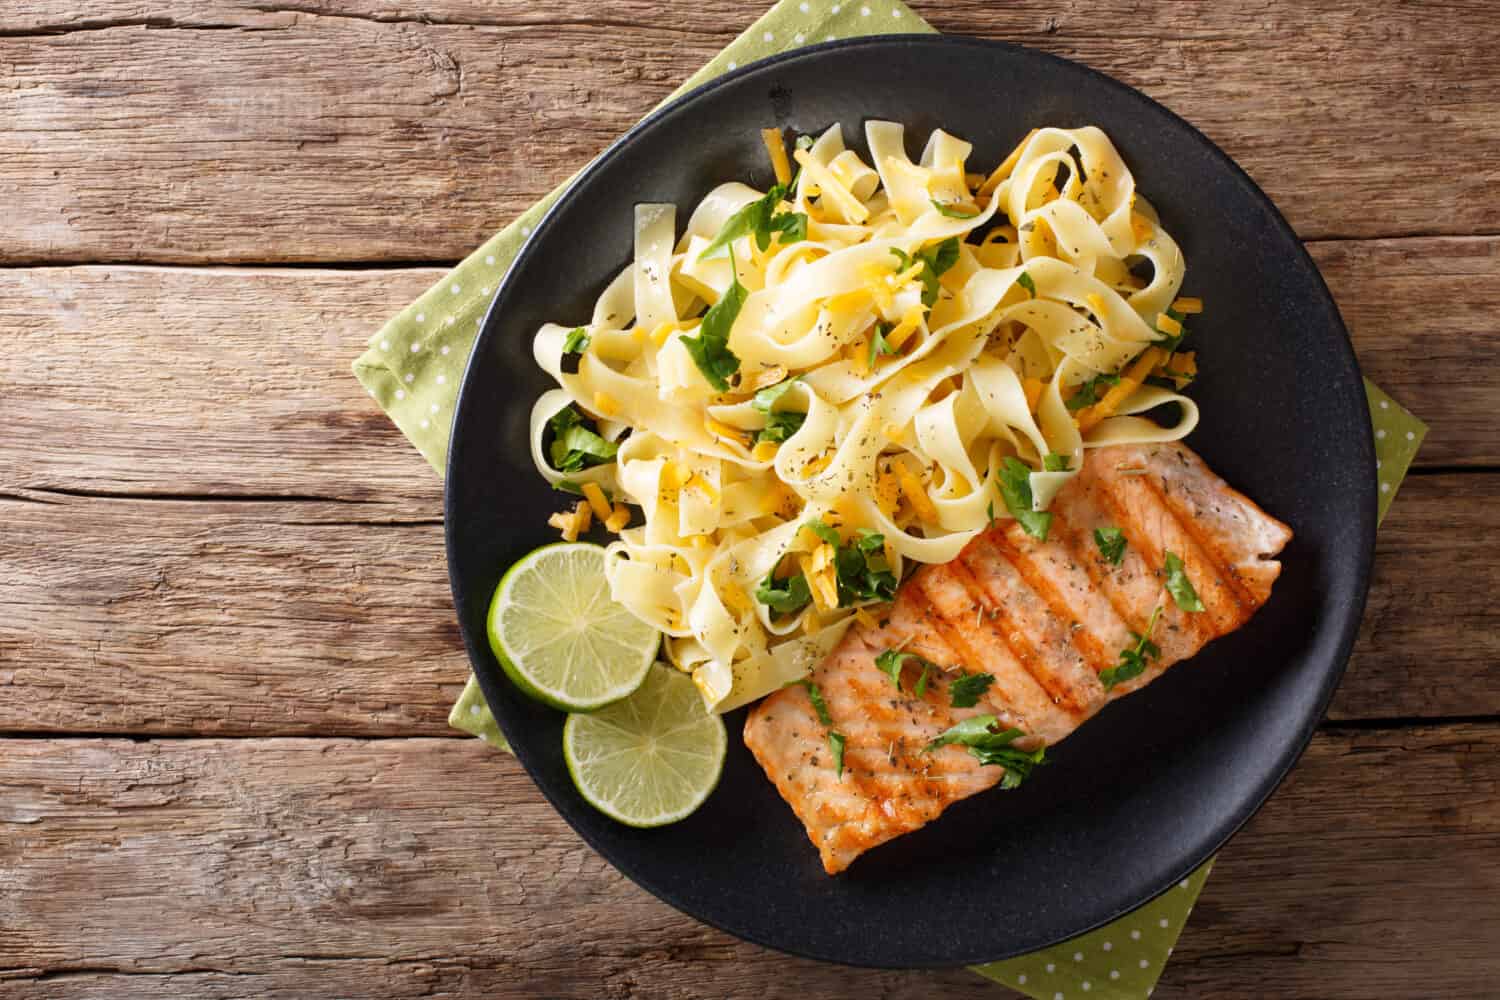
(651, 759)
(560, 636)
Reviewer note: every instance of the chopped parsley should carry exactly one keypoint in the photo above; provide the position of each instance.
(953, 211)
(786, 596)
(991, 745)
(1015, 489)
(710, 349)
(780, 424)
(892, 660)
(1088, 393)
(1025, 282)
(862, 572)
(573, 347)
(1054, 462)
(1179, 586)
(835, 740)
(1133, 659)
(760, 220)
(575, 445)
(1111, 542)
(1171, 341)
(815, 695)
(823, 531)
(936, 261)
(878, 344)
(968, 689)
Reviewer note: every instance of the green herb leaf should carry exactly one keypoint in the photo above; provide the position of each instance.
(990, 745)
(952, 212)
(786, 596)
(575, 445)
(815, 695)
(860, 565)
(1054, 462)
(1172, 341)
(863, 572)
(890, 663)
(1111, 542)
(823, 531)
(767, 397)
(878, 343)
(968, 689)
(1179, 586)
(935, 261)
(1088, 393)
(989, 509)
(577, 342)
(1133, 659)
(892, 660)
(710, 349)
(789, 227)
(1025, 282)
(760, 220)
(780, 426)
(942, 257)
(835, 740)
(1015, 488)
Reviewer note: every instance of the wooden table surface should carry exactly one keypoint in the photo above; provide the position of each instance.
(226, 645)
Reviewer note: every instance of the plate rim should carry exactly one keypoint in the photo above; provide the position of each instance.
(490, 681)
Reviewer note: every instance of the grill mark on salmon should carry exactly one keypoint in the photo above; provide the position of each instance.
(1030, 626)
(1042, 617)
(1145, 554)
(953, 601)
(1028, 561)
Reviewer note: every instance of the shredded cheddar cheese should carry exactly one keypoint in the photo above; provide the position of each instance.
(597, 502)
(776, 146)
(1129, 383)
(915, 494)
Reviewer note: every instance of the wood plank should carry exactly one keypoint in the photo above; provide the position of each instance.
(270, 618)
(235, 381)
(1425, 334)
(204, 381)
(299, 867)
(377, 130)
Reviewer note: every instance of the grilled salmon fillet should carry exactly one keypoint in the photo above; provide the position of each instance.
(1044, 618)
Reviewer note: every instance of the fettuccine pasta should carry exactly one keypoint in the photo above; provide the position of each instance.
(808, 389)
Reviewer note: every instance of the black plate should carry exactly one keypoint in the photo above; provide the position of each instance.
(1153, 786)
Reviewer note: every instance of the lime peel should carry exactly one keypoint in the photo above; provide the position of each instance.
(651, 759)
(559, 635)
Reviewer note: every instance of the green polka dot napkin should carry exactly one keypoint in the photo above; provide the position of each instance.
(412, 367)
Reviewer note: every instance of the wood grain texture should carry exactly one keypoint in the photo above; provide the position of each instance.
(235, 381)
(378, 130)
(317, 868)
(204, 381)
(265, 618)
(1425, 334)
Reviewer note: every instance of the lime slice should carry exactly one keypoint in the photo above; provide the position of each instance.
(651, 759)
(559, 635)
